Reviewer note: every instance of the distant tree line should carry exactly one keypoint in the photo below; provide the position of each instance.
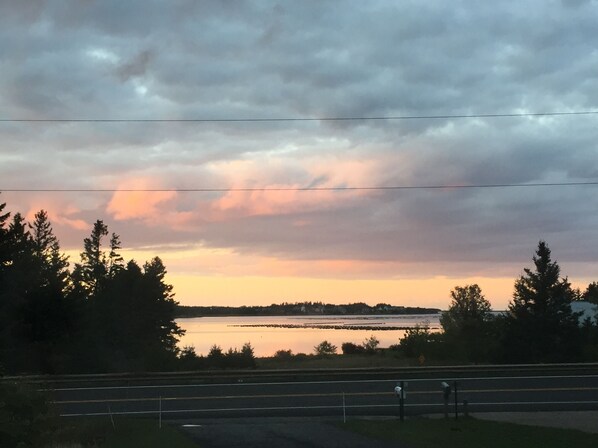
(300, 308)
(102, 315)
(539, 325)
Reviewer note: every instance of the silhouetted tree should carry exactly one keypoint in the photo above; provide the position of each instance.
(93, 268)
(419, 342)
(540, 326)
(36, 320)
(115, 260)
(188, 359)
(133, 317)
(161, 305)
(129, 323)
(467, 324)
(105, 316)
(248, 355)
(4, 267)
(370, 344)
(16, 290)
(46, 249)
(325, 348)
(215, 356)
(283, 354)
(49, 315)
(349, 348)
(4, 250)
(591, 293)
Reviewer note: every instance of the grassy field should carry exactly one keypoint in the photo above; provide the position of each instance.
(470, 433)
(99, 433)
(336, 362)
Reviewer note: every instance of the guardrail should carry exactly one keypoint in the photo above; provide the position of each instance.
(331, 397)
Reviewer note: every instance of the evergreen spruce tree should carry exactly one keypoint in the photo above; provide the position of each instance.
(5, 315)
(93, 268)
(540, 325)
(591, 293)
(46, 248)
(15, 291)
(4, 251)
(115, 259)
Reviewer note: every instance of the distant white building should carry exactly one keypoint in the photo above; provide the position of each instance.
(588, 310)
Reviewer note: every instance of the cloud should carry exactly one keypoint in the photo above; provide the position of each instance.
(138, 66)
(286, 198)
(138, 205)
(213, 59)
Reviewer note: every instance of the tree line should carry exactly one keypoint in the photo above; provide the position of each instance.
(539, 325)
(300, 308)
(101, 315)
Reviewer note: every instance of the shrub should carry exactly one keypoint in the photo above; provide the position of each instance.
(233, 358)
(419, 342)
(370, 344)
(349, 348)
(247, 355)
(25, 419)
(188, 359)
(283, 354)
(325, 348)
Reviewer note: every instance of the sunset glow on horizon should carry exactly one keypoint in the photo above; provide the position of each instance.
(309, 151)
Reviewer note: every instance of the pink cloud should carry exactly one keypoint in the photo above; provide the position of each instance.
(328, 172)
(142, 205)
(60, 212)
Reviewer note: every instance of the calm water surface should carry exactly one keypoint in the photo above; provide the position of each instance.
(203, 332)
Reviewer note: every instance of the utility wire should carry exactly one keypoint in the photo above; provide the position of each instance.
(289, 119)
(267, 189)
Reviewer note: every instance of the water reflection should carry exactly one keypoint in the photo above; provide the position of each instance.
(227, 332)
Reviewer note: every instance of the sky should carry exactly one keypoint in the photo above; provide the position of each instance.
(214, 60)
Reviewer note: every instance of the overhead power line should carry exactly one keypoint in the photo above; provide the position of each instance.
(274, 189)
(290, 119)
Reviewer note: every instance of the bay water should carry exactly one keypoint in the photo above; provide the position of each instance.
(300, 334)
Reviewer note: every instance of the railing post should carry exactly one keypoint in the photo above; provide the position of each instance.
(402, 402)
(456, 403)
(111, 418)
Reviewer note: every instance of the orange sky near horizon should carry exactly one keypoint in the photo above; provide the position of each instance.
(206, 277)
(251, 290)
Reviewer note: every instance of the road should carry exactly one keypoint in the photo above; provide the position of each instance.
(327, 393)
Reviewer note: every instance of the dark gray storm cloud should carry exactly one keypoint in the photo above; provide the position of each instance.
(229, 59)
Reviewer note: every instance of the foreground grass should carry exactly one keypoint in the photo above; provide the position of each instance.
(466, 433)
(99, 432)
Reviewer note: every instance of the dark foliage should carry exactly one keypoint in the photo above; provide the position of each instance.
(283, 354)
(325, 348)
(420, 343)
(104, 316)
(540, 325)
(25, 418)
(468, 325)
(350, 348)
(301, 308)
(591, 293)
(231, 359)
